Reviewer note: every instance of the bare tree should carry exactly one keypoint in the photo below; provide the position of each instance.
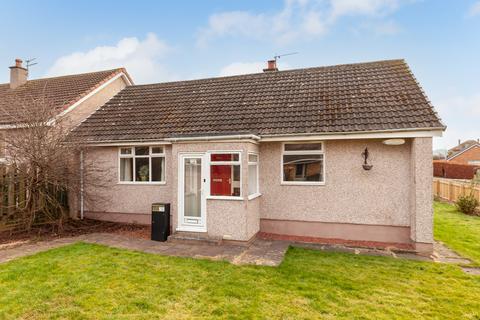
(43, 165)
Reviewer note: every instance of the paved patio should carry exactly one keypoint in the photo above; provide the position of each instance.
(260, 252)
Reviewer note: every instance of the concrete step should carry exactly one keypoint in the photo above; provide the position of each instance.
(194, 238)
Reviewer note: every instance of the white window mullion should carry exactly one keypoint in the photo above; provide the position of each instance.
(150, 167)
(134, 165)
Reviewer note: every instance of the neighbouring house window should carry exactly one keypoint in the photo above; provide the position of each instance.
(303, 163)
(225, 171)
(142, 164)
(253, 188)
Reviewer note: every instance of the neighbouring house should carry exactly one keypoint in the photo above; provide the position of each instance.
(340, 152)
(467, 152)
(74, 97)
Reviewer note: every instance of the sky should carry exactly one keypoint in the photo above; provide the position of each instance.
(161, 41)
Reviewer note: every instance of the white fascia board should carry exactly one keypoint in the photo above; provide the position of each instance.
(168, 141)
(128, 143)
(356, 135)
(93, 92)
(285, 138)
(235, 137)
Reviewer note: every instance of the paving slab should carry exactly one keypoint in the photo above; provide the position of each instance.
(270, 253)
(441, 253)
(471, 270)
(259, 252)
(264, 253)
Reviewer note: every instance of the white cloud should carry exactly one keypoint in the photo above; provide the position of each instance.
(364, 7)
(460, 114)
(141, 58)
(297, 19)
(242, 68)
(382, 28)
(474, 9)
(237, 68)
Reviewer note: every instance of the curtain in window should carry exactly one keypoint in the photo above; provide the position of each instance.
(126, 169)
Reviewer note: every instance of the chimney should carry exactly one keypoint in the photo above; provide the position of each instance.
(459, 142)
(271, 66)
(18, 74)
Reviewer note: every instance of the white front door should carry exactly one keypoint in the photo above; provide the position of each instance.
(191, 193)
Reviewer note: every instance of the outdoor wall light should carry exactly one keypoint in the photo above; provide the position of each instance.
(366, 166)
(393, 142)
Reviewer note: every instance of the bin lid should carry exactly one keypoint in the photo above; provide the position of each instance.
(158, 207)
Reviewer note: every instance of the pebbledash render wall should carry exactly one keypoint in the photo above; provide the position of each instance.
(128, 202)
(390, 203)
(122, 202)
(228, 219)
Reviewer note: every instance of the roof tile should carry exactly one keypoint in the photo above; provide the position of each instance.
(59, 92)
(372, 96)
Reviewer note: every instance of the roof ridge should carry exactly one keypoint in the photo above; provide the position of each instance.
(276, 72)
(122, 69)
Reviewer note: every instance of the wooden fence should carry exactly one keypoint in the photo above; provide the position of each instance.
(451, 190)
(13, 196)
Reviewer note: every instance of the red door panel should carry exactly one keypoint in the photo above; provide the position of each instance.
(221, 180)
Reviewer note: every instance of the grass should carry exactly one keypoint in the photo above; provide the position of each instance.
(458, 231)
(86, 281)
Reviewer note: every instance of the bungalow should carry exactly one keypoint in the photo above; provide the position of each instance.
(340, 152)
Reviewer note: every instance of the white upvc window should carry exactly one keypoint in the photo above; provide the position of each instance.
(225, 175)
(142, 165)
(303, 163)
(253, 176)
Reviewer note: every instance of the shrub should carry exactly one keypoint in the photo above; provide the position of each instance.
(467, 204)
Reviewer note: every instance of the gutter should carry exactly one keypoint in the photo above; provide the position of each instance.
(397, 133)
(212, 138)
(380, 134)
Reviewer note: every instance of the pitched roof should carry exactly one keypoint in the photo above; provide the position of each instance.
(462, 147)
(60, 92)
(374, 96)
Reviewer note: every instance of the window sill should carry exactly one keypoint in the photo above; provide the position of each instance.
(253, 196)
(224, 198)
(301, 183)
(143, 183)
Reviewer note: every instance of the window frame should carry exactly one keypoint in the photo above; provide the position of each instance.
(150, 155)
(303, 152)
(208, 175)
(257, 164)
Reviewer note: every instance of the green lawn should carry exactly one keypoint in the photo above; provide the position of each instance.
(458, 231)
(85, 281)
